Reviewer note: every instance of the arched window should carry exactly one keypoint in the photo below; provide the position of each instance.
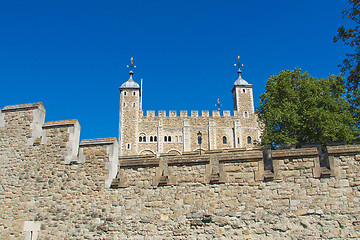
(124, 104)
(176, 139)
(128, 146)
(169, 138)
(133, 104)
(246, 114)
(134, 93)
(125, 93)
(165, 139)
(142, 137)
(244, 91)
(224, 140)
(249, 140)
(155, 138)
(151, 139)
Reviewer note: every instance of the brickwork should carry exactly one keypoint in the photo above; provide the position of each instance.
(60, 189)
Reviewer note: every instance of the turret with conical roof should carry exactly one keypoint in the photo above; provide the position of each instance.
(242, 94)
(129, 114)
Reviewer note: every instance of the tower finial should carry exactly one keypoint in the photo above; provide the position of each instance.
(218, 105)
(238, 65)
(131, 66)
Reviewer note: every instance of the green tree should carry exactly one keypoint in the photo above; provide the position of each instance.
(351, 36)
(297, 108)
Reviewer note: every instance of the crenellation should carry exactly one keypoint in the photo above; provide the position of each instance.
(183, 113)
(162, 113)
(70, 132)
(172, 114)
(194, 113)
(196, 195)
(226, 113)
(150, 113)
(205, 113)
(216, 113)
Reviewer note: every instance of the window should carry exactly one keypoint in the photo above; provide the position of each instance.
(246, 114)
(125, 93)
(133, 104)
(124, 104)
(169, 138)
(128, 146)
(224, 140)
(165, 139)
(244, 91)
(142, 137)
(238, 140)
(176, 139)
(249, 140)
(155, 138)
(151, 139)
(134, 93)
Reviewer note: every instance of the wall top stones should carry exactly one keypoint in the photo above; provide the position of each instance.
(61, 123)
(24, 107)
(98, 141)
(185, 113)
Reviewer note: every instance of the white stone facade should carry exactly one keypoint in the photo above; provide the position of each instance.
(172, 133)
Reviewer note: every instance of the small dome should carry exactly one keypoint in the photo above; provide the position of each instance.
(130, 84)
(241, 81)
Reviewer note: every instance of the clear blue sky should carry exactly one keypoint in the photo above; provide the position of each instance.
(72, 55)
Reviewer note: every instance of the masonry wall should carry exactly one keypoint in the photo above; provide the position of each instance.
(48, 180)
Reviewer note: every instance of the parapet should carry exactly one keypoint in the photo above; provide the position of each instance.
(22, 127)
(232, 166)
(185, 113)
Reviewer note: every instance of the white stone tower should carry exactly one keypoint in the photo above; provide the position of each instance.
(246, 128)
(129, 115)
(243, 95)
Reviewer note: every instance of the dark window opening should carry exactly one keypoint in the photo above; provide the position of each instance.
(249, 140)
(151, 139)
(224, 140)
(169, 138)
(165, 139)
(155, 139)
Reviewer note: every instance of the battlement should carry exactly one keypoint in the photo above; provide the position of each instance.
(55, 187)
(185, 113)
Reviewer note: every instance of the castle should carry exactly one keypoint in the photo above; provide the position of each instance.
(173, 134)
(54, 187)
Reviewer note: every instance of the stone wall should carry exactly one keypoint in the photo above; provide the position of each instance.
(56, 189)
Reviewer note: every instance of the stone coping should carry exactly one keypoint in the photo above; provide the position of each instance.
(295, 153)
(62, 123)
(97, 141)
(344, 149)
(24, 107)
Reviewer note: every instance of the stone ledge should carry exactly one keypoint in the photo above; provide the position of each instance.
(343, 150)
(97, 141)
(24, 107)
(295, 153)
(62, 123)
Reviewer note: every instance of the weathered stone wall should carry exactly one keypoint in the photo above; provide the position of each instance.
(216, 195)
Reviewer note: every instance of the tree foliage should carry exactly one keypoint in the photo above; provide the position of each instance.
(351, 65)
(297, 108)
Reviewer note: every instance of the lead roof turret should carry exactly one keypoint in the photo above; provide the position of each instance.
(130, 84)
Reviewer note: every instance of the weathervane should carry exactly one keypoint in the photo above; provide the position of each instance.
(218, 105)
(238, 65)
(132, 64)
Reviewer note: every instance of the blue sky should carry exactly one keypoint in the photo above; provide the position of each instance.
(72, 55)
